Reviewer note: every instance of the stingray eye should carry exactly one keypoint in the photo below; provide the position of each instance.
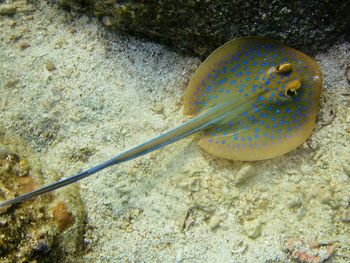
(292, 88)
(284, 68)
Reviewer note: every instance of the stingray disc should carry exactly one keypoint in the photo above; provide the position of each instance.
(282, 86)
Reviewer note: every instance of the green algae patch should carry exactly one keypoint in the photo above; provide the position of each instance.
(45, 229)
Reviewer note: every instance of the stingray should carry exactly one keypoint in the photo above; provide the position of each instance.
(253, 99)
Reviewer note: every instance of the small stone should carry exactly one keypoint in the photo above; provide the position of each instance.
(24, 45)
(347, 73)
(346, 216)
(247, 171)
(253, 228)
(63, 218)
(191, 184)
(107, 21)
(7, 10)
(294, 202)
(11, 83)
(214, 222)
(50, 66)
(3, 152)
(159, 109)
(346, 169)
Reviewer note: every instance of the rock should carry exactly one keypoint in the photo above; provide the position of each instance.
(203, 25)
(7, 9)
(347, 73)
(253, 228)
(214, 222)
(50, 66)
(247, 171)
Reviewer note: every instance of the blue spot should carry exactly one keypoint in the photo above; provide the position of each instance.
(256, 136)
(213, 134)
(275, 125)
(216, 76)
(246, 95)
(211, 140)
(251, 118)
(238, 66)
(265, 134)
(248, 73)
(250, 139)
(288, 110)
(267, 82)
(257, 129)
(255, 63)
(273, 119)
(223, 141)
(228, 91)
(273, 94)
(241, 90)
(244, 113)
(225, 133)
(279, 131)
(262, 122)
(233, 70)
(235, 138)
(261, 98)
(245, 62)
(257, 110)
(243, 139)
(272, 136)
(208, 88)
(239, 74)
(248, 79)
(222, 81)
(233, 82)
(277, 111)
(218, 129)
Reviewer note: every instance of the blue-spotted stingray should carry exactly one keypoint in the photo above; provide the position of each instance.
(253, 98)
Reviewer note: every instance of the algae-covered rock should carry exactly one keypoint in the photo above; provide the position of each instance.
(40, 230)
(203, 25)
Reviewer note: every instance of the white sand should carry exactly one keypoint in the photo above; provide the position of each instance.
(109, 93)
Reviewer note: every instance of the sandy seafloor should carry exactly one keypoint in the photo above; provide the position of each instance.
(179, 204)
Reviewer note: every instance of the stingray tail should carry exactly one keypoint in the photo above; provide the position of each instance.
(192, 126)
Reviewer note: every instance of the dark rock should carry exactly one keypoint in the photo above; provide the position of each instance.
(200, 26)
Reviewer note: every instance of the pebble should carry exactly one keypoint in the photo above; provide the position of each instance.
(347, 73)
(214, 222)
(346, 169)
(191, 184)
(247, 171)
(7, 9)
(107, 21)
(346, 216)
(11, 83)
(253, 228)
(50, 66)
(24, 45)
